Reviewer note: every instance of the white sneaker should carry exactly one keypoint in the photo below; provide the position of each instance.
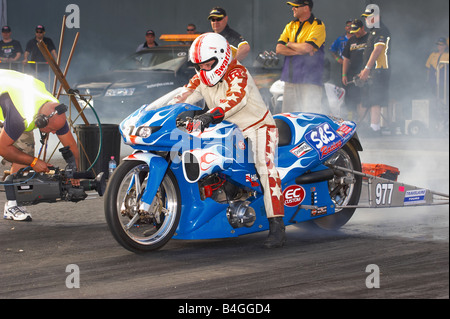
(17, 213)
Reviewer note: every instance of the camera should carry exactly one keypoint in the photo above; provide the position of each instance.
(31, 188)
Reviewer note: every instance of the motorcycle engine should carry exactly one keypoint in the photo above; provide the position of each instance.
(240, 214)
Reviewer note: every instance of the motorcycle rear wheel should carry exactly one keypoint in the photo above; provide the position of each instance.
(137, 230)
(349, 194)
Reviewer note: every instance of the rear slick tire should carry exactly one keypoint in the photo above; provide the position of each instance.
(347, 157)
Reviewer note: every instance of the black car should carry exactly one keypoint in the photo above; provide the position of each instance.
(138, 79)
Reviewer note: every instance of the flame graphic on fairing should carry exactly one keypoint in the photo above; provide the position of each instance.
(300, 163)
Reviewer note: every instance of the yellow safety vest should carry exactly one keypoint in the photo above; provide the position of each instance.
(27, 93)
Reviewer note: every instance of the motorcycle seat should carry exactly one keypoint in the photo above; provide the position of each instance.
(284, 132)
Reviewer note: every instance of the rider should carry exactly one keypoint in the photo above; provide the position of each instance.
(231, 94)
(24, 105)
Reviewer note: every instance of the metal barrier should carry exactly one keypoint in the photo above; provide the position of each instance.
(40, 70)
(442, 97)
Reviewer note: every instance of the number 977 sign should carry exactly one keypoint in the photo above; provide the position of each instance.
(384, 193)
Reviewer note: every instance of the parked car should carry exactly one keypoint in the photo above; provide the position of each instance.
(136, 80)
(147, 75)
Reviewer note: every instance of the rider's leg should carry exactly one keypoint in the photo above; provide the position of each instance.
(265, 142)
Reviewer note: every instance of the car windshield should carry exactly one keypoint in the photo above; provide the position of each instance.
(149, 60)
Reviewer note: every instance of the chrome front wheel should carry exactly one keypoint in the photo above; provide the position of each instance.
(136, 225)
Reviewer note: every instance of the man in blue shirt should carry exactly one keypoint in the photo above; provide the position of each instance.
(338, 45)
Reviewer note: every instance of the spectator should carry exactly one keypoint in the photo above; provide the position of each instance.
(10, 50)
(32, 53)
(432, 65)
(302, 43)
(219, 24)
(376, 65)
(149, 41)
(353, 53)
(191, 29)
(338, 45)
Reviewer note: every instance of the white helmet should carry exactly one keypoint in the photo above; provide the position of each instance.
(207, 47)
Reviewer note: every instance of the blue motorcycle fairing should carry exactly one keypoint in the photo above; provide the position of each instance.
(206, 219)
(157, 169)
(162, 140)
(315, 138)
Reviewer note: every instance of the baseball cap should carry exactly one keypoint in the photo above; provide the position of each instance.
(150, 32)
(442, 41)
(6, 29)
(40, 27)
(356, 25)
(217, 12)
(301, 3)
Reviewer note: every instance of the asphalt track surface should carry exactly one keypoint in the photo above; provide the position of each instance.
(409, 247)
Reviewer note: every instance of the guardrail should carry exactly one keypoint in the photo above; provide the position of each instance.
(39, 70)
(442, 87)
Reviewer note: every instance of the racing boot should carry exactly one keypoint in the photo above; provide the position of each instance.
(277, 233)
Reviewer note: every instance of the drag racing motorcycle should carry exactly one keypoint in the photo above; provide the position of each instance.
(185, 184)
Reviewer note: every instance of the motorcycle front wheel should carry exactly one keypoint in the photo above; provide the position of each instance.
(344, 188)
(134, 227)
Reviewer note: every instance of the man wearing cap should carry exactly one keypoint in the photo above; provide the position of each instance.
(302, 44)
(353, 53)
(10, 50)
(338, 45)
(24, 100)
(149, 41)
(33, 54)
(376, 66)
(32, 51)
(432, 65)
(219, 23)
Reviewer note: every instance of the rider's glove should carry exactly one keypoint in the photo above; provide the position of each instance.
(214, 116)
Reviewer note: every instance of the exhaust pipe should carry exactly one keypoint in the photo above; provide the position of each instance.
(315, 177)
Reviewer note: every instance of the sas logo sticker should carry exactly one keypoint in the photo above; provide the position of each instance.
(324, 139)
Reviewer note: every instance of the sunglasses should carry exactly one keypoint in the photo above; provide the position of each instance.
(216, 19)
(190, 29)
(39, 31)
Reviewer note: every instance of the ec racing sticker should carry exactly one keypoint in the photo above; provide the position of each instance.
(293, 195)
(324, 139)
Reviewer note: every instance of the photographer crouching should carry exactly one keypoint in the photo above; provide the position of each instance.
(25, 104)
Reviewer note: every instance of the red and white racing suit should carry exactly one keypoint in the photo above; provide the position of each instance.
(238, 96)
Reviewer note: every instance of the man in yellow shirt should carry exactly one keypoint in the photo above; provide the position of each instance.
(432, 65)
(302, 44)
(25, 104)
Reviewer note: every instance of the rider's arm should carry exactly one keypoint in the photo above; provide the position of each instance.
(237, 93)
(188, 94)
